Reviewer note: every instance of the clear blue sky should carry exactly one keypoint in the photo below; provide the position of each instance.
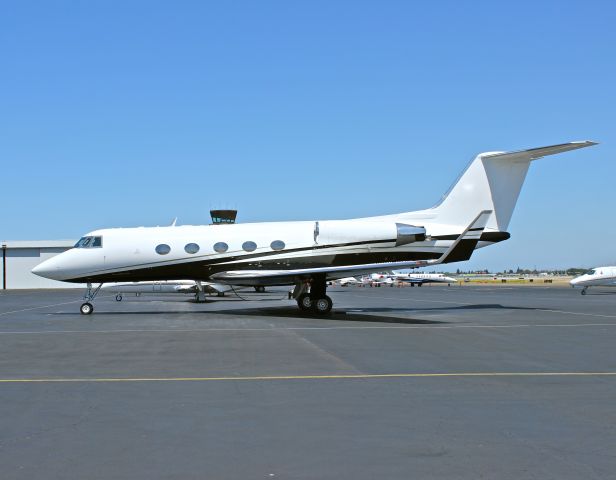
(132, 113)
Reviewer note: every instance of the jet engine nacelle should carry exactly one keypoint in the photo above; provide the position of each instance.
(409, 234)
(341, 232)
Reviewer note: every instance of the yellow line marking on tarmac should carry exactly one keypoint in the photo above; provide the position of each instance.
(310, 377)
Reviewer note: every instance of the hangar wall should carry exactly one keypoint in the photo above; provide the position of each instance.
(19, 257)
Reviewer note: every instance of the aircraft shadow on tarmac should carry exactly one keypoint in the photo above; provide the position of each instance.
(355, 315)
(280, 312)
(363, 315)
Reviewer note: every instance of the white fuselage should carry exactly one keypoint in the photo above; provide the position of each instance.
(597, 277)
(130, 254)
(423, 278)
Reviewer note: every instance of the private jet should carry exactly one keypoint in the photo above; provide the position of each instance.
(474, 213)
(419, 279)
(596, 277)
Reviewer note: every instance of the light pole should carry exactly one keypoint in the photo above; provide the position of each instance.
(4, 266)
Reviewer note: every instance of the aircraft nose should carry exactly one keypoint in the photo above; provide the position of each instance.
(574, 281)
(47, 269)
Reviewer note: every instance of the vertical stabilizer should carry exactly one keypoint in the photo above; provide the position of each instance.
(493, 182)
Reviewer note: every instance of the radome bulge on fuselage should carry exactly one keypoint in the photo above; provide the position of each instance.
(308, 254)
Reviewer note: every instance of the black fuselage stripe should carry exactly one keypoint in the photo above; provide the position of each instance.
(215, 261)
(202, 271)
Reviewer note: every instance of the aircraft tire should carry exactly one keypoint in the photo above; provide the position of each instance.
(260, 289)
(118, 297)
(304, 302)
(86, 308)
(583, 292)
(323, 305)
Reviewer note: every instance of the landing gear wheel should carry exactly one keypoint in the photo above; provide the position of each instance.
(304, 302)
(118, 297)
(86, 308)
(583, 291)
(323, 305)
(260, 289)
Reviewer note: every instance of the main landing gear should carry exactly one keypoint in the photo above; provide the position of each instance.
(584, 290)
(200, 295)
(87, 308)
(316, 300)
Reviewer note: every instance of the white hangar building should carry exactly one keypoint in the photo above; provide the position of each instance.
(19, 257)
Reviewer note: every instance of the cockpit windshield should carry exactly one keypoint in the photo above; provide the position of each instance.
(89, 242)
(592, 271)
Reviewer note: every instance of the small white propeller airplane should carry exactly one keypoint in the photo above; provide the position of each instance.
(474, 213)
(596, 277)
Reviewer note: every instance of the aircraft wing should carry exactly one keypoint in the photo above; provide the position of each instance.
(461, 249)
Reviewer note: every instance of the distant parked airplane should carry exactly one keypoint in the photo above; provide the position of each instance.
(474, 213)
(380, 279)
(596, 277)
(165, 286)
(420, 278)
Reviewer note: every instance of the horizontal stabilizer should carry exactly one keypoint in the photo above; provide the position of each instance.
(461, 249)
(540, 152)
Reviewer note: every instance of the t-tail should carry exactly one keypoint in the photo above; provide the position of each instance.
(492, 182)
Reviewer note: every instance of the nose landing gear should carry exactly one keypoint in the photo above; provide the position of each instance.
(87, 308)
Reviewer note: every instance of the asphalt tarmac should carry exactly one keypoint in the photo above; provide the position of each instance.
(434, 382)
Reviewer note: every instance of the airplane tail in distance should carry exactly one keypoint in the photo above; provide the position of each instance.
(493, 182)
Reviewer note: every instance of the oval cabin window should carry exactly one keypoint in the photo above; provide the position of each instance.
(221, 247)
(249, 246)
(191, 248)
(277, 245)
(163, 249)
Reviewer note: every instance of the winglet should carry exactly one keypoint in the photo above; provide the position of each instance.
(462, 248)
